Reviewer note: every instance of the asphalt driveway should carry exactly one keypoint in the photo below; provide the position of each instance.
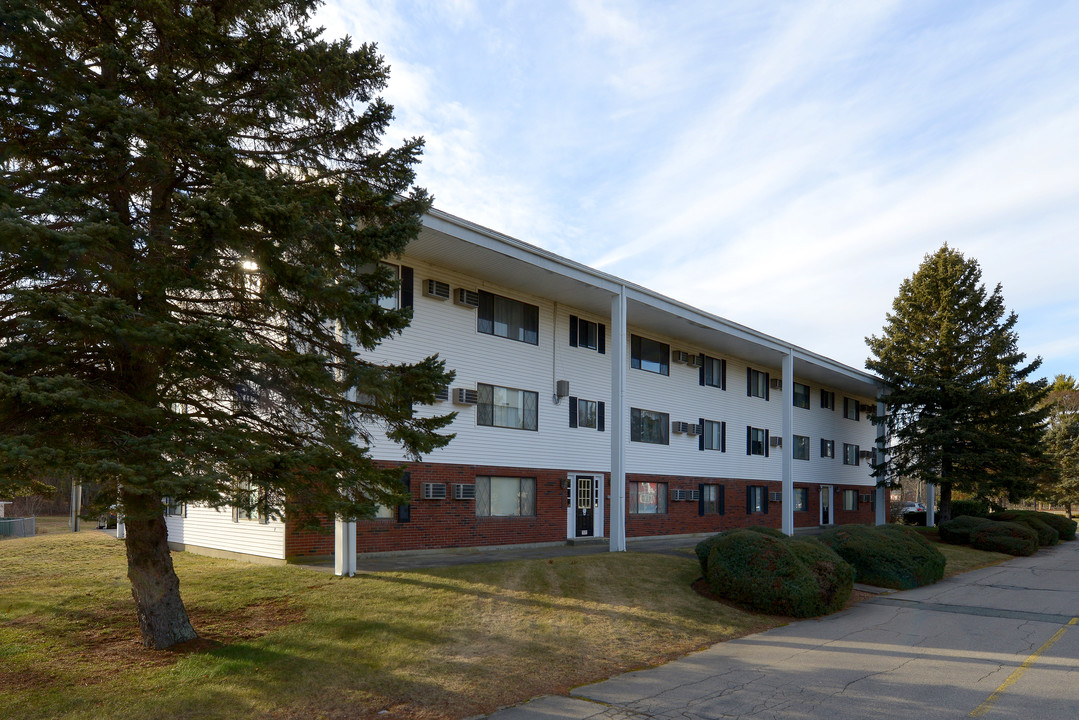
(1002, 642)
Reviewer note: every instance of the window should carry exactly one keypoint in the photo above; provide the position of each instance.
(253, 503)
(393, 300)
(850, 408)
(756, 441)
(801, 395)
(587, 334)
(827, 448)
(756, 499)
(384, 512)
(801, 499)
(756, 383)
(850, 454)
(711, 500)
(647, 426)
(827, 399)
(649, 355)
(508, 318)
(714, 372)
(850, 499)
(505, 407)
(646, 498)
(505, 497)
(174, 508)
(801, 447)
(714, 436)
(586, 413)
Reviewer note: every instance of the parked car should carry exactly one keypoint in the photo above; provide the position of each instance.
(910, 506)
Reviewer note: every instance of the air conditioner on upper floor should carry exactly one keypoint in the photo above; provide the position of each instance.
(679, 427)
(443, 394)
(465, 396)
(680, 356)
(695, 429)
(865, 454)
(695, 361)
(865, 408)
(466, 298)
(776, 383)
(437, 289)
(776, 441)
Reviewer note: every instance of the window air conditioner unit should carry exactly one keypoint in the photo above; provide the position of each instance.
(775, 497)
(695, 429)
(865, 454)
(693, 494)
(437, 289)
(679, 427)
(462, 491)
(678, 495)
(464, 396)
(443, 394)
(680, 356)
(466, 298)
(865, 498)
(776, 383)
(776, 441)
(434, 491)
(865, 408)
(696, 361)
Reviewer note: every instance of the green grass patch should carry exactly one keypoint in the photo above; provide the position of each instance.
(290, 642)
(962, 558)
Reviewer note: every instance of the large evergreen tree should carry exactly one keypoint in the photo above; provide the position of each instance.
(1060, 482)
(960, 410)
(194, 200)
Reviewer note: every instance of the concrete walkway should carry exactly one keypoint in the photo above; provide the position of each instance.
(1002, 642)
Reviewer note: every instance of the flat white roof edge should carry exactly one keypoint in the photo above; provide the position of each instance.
(513, 247)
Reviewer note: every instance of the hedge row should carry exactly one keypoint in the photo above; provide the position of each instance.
(765, 570)
(1016, 532)
(890, 556)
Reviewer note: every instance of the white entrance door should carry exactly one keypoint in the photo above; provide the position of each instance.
(584, 505)
(826, 514)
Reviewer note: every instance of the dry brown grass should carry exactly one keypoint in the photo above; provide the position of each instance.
(287, 642)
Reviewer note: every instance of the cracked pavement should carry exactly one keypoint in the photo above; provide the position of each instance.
(936, 652)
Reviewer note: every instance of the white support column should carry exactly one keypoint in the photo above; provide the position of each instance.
(76, 505)
(882, 443)
(788, 442)
(344, 548)
(618, 415)
(930, 504)
(121, 527)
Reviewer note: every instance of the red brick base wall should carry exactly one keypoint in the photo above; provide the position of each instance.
(453, 523)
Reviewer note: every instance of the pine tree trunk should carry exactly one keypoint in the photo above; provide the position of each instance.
(945, 502)
(154, 585)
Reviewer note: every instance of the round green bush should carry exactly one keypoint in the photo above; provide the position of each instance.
(769, 574)
(1046, 534)
(704, 547)
(1065, 527)
(957, 531)
(1006, 537)
(887, 555)
(835, 576)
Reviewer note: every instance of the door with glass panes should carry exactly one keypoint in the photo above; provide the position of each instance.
(585, 505)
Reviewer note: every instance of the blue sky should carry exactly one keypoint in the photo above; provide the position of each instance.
(781, 164)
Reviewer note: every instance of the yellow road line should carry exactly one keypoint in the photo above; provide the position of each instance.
(1019, 671)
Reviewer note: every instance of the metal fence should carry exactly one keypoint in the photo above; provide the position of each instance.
(17, 527)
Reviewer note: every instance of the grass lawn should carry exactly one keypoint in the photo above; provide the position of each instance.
(289, 642)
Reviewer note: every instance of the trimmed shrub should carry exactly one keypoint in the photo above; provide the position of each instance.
(1046, 534)
(1006, 537)
(1065, 527)
(774, 574)
(916, 518)
(835, 576)
(975, 507)
(887, 556)
(704, 547)
(957, 531)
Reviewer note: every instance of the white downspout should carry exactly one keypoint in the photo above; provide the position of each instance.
(882, 443)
